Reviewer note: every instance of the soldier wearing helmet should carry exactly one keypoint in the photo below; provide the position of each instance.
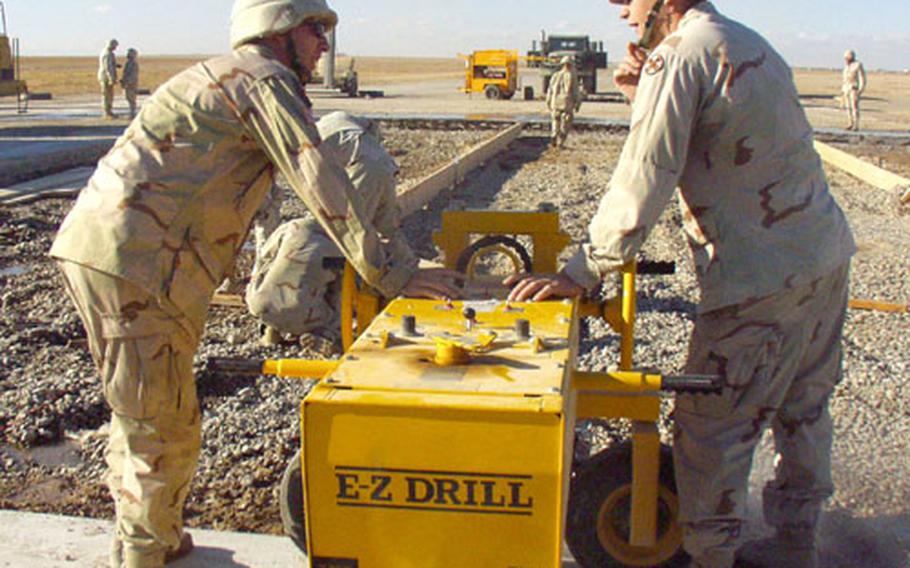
(563, 101)
(107, 77)
(160, 223)
(854, 84)
(716, 121)
(130, 80)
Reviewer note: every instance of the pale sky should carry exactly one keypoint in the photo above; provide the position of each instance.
(807, 32)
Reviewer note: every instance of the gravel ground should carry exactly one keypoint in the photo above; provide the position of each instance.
(51, 415)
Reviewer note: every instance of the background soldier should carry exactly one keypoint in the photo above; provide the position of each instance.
(771, 250)
(853, 86)
(160, 223)
(130, 79)
(292, 290)
(563, 100)
(107, 76)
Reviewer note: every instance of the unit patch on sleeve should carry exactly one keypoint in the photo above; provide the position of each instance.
(655, 64)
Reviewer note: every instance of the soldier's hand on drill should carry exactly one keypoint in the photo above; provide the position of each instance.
(537, 287)
(628, 73)
(433, 283)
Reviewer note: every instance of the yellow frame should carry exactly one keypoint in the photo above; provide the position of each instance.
(622, 394)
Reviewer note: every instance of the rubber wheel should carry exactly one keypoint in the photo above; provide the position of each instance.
(290, 503)
(464, 259)
(597, 529)
(529, 93)
(492, 92)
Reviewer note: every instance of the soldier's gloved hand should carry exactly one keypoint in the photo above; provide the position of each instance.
(433, 283)
(628, 73)
(538, 287)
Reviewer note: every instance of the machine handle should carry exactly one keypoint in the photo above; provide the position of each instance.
(291, 368)
(697, 384)
(235, 366)
(656, 267)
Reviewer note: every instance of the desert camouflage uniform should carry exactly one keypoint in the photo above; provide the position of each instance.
(291, 290)
(107, 77)
(853, 86)
(154, 232)
(717, 115)
(563, 100)
(130, 82)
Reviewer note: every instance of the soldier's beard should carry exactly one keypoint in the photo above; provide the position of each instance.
(297, 67)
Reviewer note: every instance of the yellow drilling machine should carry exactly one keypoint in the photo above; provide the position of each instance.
(10, 81)
(444, 435)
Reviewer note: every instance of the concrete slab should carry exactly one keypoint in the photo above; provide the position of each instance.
(64, 184)
(50, 541)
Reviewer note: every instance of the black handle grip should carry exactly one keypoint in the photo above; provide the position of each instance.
(656, 267)
(703, 384)
(232, 366)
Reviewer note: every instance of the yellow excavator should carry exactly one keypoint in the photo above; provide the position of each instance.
(10, 81)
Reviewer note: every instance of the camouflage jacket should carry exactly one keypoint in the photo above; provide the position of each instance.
(169, 207)
(562, 93)
(717, 115)
(107, 67)
(130, 77)
(854, 77)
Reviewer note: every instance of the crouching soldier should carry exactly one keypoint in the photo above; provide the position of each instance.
(294, 289)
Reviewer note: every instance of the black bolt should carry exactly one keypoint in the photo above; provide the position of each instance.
(408, 325)
(523, 328)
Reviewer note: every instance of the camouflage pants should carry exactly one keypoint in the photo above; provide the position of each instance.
(560, 124)
(781, 356)
(131, 92)
(144, 353)
(291, 290)
(851, 104)
(107, 98)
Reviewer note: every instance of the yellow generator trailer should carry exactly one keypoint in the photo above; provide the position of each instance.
(493, 72)
(444, 435)
(10, 82)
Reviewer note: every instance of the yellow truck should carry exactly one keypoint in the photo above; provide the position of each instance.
(493, 72)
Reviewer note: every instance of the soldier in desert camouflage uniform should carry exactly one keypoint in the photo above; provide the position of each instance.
(107, 77)
(716, 114)
(853, 86)
(160, 223)
(291, 290)
(130, 79)
(563, 101)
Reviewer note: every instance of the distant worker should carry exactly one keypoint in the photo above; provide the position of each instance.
(107, 76)
(563, 100)
(716, 122)
(161, 222)
(294, 290)
(853, 87)
(130, 79)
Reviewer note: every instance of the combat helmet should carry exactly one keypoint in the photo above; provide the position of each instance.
(252, 19)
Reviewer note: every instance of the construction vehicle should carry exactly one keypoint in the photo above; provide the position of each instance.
(493, 72)
(10, 73)
(589, 56)
(444, 435)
